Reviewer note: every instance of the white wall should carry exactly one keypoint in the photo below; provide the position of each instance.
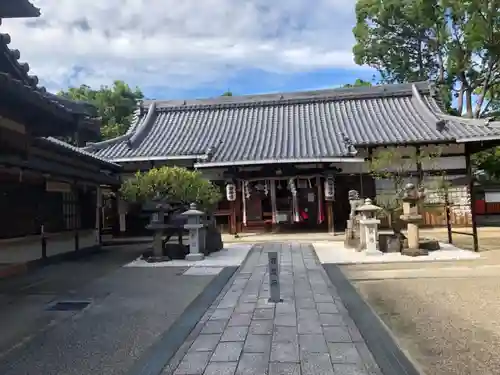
(455, 160)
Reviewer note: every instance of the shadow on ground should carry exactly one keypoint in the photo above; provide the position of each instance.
(129, 309)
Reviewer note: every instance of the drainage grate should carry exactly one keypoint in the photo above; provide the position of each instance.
(68, 306)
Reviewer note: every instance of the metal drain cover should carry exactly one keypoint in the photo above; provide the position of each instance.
(68, 306)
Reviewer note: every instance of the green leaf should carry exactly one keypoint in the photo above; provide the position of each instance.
(115, 105)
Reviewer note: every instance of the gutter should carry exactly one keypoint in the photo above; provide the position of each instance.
(157, 158)
(280, 161)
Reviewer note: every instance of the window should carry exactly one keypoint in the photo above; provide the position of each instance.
(70, 211)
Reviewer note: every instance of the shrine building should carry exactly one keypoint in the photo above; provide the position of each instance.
(286, 161)
(50, 191)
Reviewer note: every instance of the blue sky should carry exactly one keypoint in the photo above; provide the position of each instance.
(191, 48)
(258, 81)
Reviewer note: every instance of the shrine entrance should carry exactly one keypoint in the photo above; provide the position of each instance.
(283, 204)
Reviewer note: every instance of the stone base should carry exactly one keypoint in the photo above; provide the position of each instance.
(373, 252)
(351, 243)
(414, 252)
(195, 257)
(157, 259)
(429, 245)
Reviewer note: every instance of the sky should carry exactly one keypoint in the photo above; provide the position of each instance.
(190, 48)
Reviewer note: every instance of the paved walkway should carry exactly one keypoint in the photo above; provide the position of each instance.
(310, 332)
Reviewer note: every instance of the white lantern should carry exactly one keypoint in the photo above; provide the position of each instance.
(330, 189)
(231, 192)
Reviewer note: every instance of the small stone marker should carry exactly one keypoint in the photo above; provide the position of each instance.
(274, 278)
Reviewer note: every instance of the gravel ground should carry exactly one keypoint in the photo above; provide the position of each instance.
(448, 325)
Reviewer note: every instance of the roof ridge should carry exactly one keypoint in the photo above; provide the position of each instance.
(137, 120)
(142, 129)
(420, 102)
(300, 97)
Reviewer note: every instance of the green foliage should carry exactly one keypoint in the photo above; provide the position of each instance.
(115, 105)
(392, 164)
(227, 93)
(175, 184)
(489, 161)
(359, 83)
(453, 42)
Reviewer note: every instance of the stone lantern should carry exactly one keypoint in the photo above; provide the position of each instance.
(354, 203)
(411, 215)
(194, 226)
(369, 227)
(157, 224)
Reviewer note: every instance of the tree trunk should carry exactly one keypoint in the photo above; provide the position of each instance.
(468, 103)
(460, 104)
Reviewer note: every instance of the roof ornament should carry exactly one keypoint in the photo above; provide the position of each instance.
(488, 120)
(441, 125)
(351, 150)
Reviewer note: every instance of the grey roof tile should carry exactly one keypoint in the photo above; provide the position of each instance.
(286, 126)
(79, 151)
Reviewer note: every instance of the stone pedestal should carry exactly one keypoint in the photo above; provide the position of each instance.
(194, 226)
(368, 227)
(371, 236)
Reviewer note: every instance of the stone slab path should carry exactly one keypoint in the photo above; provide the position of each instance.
(310, 332)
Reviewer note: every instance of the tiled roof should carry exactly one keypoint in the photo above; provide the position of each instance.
(19, 71)
(78, 151)
(18, 9)
(290, 126)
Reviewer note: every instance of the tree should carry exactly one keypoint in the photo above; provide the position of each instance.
(392, 165)
(115, 105)
(227, 93)
(358, 83)
(179, 186)
(453, 42)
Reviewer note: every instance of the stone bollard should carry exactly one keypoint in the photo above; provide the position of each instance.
(194, 225)
(370, 227)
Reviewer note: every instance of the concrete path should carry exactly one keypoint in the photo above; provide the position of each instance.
(310, 332)
(129, 311)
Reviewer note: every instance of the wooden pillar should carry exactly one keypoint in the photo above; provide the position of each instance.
(232, 219)
(98, 214)
(76, 216)
(330, 217)
(420, 173)
(472, 194)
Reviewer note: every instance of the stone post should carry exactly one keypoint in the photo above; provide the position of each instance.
(370, 224)
(412, 196)
(194, 226)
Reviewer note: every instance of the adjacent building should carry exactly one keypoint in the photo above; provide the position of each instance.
(291, 158)
(50, 191)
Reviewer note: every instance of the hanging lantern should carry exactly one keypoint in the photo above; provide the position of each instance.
(231, 192)
(330, 189)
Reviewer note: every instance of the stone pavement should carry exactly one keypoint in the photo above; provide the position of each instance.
(310, 332)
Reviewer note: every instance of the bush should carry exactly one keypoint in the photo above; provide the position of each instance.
(173, 184)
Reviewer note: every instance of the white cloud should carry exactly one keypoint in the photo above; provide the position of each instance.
(181, 43)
